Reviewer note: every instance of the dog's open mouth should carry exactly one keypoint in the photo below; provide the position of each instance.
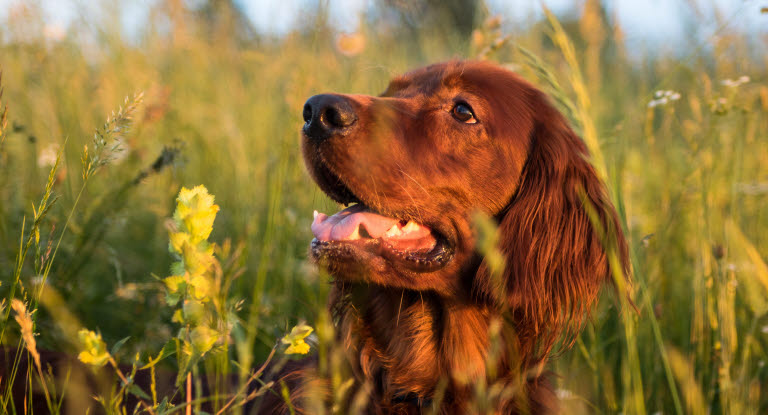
(403, 242)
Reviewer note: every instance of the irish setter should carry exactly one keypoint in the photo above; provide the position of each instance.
(421, 314)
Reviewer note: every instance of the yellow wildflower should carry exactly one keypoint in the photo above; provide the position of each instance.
(295, 339)
(94, 349)
(178, 239)
(200, 287)
(197, 261)
(203, 338)
(194, 311)
(174, 283)
(195, 212)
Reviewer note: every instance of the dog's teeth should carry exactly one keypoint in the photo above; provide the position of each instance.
(393, 231)
(410, 227)
(314, 215)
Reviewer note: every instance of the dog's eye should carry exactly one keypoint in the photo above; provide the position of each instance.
(463, 113)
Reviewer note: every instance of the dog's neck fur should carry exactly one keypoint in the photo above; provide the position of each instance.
(405, 343)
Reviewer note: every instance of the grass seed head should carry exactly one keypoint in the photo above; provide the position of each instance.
(24, 318)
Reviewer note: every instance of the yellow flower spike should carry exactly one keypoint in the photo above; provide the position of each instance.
(193, 311)
(200, 287)
(178, 239)
(195, 198)
(200, 223)
(178, 317)
(196, 261)
(94, 349)
(203, 338)
(195, 213)
(173, 283)
(295, 339)
(174, 286)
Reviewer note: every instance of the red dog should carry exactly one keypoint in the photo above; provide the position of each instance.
(414, 300)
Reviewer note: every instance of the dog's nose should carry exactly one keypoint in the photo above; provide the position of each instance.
(327, 114)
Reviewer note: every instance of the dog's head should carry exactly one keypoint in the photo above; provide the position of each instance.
(440, 144)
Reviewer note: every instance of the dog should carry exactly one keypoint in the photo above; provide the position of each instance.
(418, 306)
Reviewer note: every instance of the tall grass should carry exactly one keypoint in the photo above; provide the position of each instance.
(689, 176)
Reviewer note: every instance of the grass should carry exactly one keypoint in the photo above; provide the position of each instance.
(88, 248)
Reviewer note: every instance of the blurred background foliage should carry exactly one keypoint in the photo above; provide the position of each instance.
(688, 169)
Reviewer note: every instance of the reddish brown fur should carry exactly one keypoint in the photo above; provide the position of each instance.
(407, 157)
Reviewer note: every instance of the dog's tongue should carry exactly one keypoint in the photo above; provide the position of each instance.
(356, 222)
(345, 225)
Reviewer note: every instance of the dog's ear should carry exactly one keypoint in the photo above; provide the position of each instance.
(556, 257)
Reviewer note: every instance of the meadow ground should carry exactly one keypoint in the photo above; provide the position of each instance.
(85, 219)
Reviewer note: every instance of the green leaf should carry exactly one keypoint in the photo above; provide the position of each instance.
(187, 360)
(133, 389)
(175, 286)
(168, 350)
(118, 345)
(177, 268)
(163, 406)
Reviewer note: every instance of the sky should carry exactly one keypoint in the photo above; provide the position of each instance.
(652, 23)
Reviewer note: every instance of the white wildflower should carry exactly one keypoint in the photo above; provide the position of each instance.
(662, 97)
(734, 83)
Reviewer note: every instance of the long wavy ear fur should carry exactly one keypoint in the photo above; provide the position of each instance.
(556, 260)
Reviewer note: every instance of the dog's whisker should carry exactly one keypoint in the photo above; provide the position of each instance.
(375, 190)
(399, 166)
(399, 308)
(416, 205)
